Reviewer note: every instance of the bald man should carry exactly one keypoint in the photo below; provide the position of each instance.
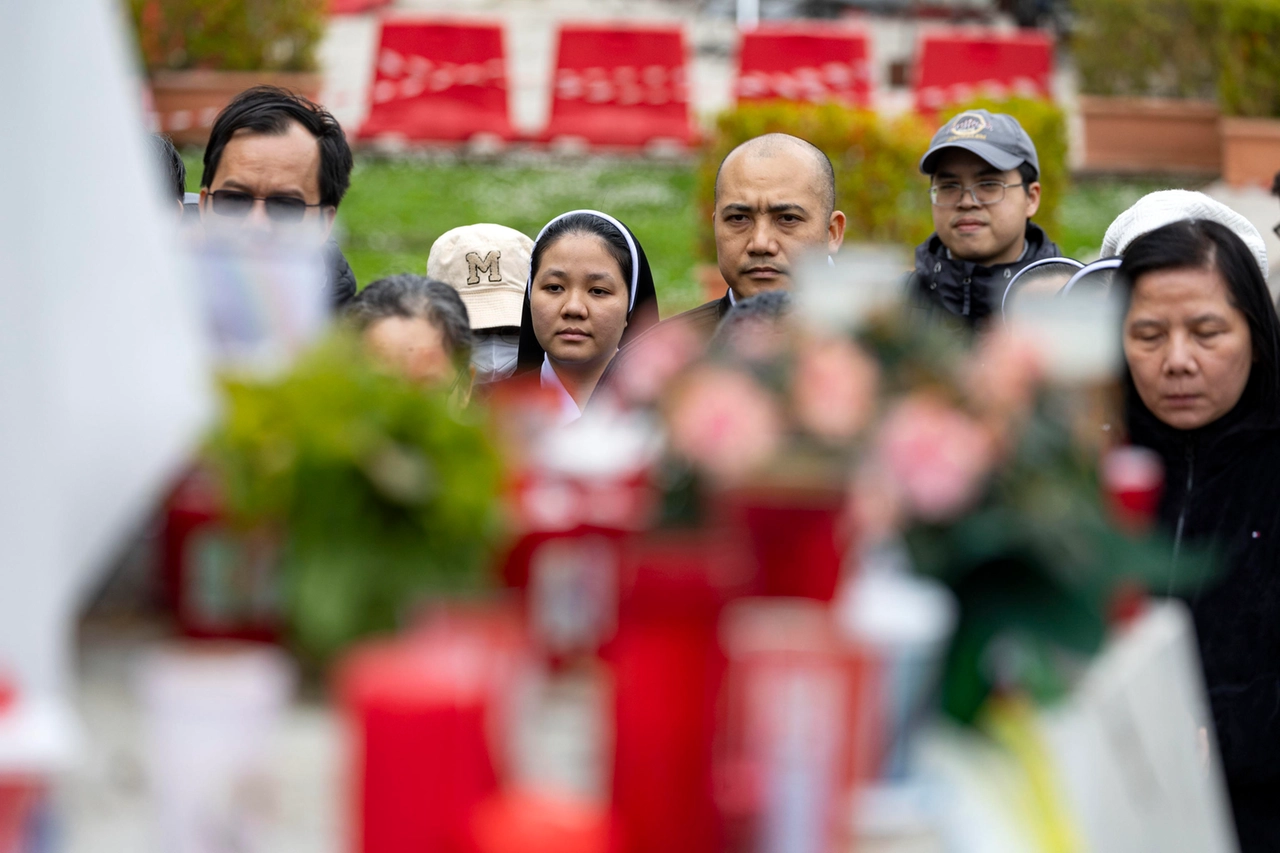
(775, 204)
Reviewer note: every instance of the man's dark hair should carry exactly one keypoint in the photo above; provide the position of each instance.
(1204, 244)
(412, 297)
(764, 312)
(172, 170)
(584, 223)
(268, 110)
(768, 143)
(1028, 174)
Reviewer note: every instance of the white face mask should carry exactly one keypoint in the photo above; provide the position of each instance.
(493, 353)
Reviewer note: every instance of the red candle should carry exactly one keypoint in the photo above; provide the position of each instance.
(1133, 478)
(421, 711)
(667, 667)
(797, 536)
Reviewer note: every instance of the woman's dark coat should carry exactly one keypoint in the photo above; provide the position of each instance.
(1222, 487)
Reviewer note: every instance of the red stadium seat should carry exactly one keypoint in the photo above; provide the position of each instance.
(798, 62)
(437, 80)
(956, 66)
(621, 85)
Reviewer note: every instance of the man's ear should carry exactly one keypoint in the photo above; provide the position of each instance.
(1033, 198)
(328, 214)
(204, 202)
(835, 231)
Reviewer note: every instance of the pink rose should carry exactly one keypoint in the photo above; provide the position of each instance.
(666, 351)
(724, 422)
(939, 456)
(834, 391)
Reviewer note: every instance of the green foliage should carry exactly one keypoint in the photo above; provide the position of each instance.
(1182, 48)
(396, 209)
(383, 493)
(1046, 124)
(229, 35)
(1248, 55)
(878, 185)
(1144, 48)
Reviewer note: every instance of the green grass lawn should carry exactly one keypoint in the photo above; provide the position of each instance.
(396, 208)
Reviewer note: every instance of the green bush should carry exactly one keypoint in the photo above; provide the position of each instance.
(1145, 48)
(1046, 124)
(229, 35)
(878, 185)
(1247, 49)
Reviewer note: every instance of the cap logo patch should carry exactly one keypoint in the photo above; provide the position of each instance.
(969, 126)
(489, 265)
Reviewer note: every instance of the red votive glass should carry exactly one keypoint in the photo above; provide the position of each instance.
(667, 667)
(1133, 480)
(422, 716)
(798, 537)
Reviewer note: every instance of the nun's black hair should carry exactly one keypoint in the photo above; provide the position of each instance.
(643, 311)
(1204, 244)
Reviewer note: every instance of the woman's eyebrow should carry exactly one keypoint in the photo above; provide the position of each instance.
(1206, 318)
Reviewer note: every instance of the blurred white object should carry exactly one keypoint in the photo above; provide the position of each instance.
(1078, 338)
(210, 711)
(102, 368)
(835, 294)
(905, 621)
(1128, 745)
(264, 299)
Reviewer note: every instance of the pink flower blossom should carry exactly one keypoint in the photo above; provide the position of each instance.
(834, 391)
(939, 456)
(666, 351)
(724, 422)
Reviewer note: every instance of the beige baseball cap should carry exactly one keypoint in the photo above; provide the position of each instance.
(489, 266)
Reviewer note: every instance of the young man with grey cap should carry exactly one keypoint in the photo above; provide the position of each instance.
(488, 265)
(983, 173)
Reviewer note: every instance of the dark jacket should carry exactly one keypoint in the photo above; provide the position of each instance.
(339, 278)
(942, 284)
(703, 320)
(1222, 487)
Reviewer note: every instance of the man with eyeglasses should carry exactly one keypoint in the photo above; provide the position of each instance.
(983, 186)
(278, 163)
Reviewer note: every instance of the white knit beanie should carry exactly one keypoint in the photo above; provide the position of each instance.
(1158, 209)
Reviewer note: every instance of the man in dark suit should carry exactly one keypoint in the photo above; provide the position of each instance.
(775, 203)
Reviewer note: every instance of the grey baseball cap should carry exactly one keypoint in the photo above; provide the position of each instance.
(995, 137)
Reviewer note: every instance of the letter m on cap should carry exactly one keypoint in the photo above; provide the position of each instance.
(487, 265)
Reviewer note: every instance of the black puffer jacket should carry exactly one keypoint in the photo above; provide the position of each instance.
(1222, 486)
(942, 284)
(340, 280)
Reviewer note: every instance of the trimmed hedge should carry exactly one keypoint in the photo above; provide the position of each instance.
(878, 183)
(1182, 48)
(1247, 47)
(1144, 48)
(229, 35)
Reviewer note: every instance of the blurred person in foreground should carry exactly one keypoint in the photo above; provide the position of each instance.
(277, 163)
(590, 292)
(417, 327)
(1202, 349)
(984, 188)
(489, 266)
(775, 204)
(170, 168)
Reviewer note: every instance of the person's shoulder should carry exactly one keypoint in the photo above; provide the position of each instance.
(703, 320)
